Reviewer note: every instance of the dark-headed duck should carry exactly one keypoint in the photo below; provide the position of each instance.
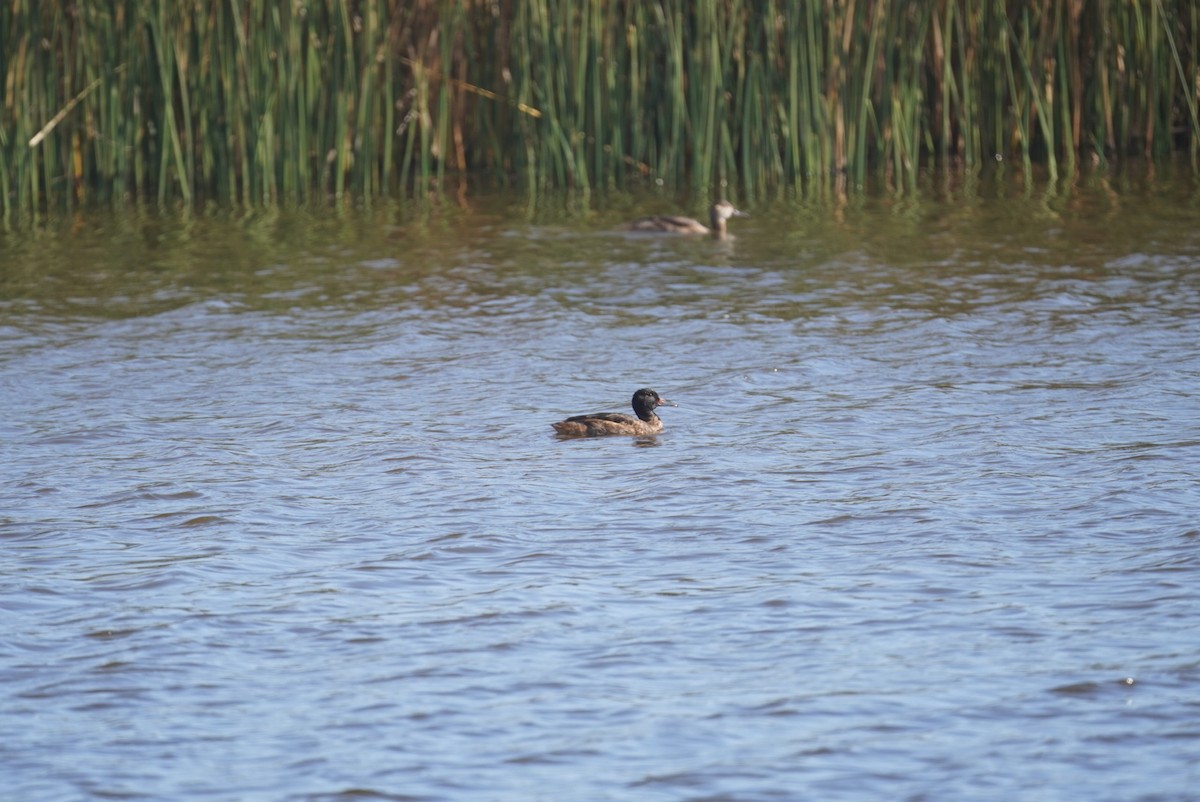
(670, 224)
(645, 401)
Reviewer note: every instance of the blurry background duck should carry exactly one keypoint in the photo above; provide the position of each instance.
(670, 224)
(645, 401)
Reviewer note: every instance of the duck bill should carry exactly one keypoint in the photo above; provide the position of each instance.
(662, 402)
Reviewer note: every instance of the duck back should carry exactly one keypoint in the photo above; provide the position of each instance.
(669, 223)
(602, 423)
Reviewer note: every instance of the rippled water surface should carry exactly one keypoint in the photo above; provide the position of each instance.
(282, 517)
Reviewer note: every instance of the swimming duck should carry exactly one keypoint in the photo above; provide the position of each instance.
(645, 401)
(671, 224)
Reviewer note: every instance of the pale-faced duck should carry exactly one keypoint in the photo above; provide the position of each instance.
(720, 212)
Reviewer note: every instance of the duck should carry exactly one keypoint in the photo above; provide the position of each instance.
(645, 401)
(720, 211)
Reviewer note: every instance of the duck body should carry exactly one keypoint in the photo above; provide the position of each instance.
(669, 224)
(720, 212)
(597, 424)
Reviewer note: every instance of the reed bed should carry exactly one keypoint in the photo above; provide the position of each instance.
(255, 102)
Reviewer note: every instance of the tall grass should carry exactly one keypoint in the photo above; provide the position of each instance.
(255, 102)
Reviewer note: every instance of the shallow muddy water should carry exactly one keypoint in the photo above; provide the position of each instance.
(283, 518)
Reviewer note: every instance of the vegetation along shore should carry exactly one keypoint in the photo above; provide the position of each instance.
(254, 102)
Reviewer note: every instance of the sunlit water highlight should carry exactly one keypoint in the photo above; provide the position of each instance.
(283, 517)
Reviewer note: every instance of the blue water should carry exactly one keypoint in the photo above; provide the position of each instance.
(283, 517)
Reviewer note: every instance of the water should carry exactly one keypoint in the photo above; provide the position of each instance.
(283, 518)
